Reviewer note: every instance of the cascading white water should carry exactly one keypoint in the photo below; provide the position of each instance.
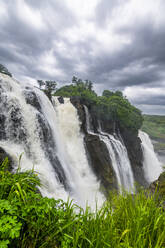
(151, 165)
(60, 160)
(12, 93)
(88, 121)
(118, 155)
(120, 162)
(85, 187)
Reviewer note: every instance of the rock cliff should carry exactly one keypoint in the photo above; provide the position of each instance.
(98, 153)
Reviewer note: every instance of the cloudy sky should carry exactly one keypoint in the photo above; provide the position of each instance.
(117, 44)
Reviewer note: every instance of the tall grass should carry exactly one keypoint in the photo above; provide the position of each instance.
(28, 220)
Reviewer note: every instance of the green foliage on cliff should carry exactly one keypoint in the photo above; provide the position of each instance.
(119, 109)
(111, 106)
(77, 90)
(29, 220)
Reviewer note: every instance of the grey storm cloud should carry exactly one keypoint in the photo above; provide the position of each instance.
(114, 43)
(147, 100)
(104, 10)
(147, 49)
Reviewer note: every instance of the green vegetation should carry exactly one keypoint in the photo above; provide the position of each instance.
(28, 220)
(160, 184)
(49, 87)
(154, 125)
(4, 70)
(111, 106)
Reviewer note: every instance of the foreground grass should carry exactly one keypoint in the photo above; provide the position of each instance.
(28, 220)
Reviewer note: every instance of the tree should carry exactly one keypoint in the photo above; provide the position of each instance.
(89, 85)
(107, 93)
(74, 80)
(41, 83)
(118, 93)
(4, 70)
(50, 87)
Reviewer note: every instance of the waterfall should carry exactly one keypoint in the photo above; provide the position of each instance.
(88, 121)
(118, 155)
(120, 162)
(151, 165)
(85, 187)
(48, 135)
(21, 133)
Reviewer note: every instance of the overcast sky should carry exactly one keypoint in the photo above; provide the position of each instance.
(117, 44)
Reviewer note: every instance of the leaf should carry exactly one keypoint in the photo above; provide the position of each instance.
(4, 243)
(124, 233)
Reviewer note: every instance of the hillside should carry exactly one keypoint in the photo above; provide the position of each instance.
(154, 125)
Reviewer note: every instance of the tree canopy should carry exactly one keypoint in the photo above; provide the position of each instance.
(49, 87)
(111, 105)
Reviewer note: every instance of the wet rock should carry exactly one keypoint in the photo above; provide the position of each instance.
(77, 102)
(49, 148)
(16, 130)
(61, 100)
(2, 127)
(32, 99)
(133, 146)
(135, 154)
(100, 162)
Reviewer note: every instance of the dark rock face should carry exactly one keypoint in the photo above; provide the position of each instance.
(11, 121)
(100, 161)
(32, 99)
(61, 100)
(2, 125)
(16, 130)
(133, 145)
(107, 126)
(77, 102)
(49, 147)
(135, 154)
